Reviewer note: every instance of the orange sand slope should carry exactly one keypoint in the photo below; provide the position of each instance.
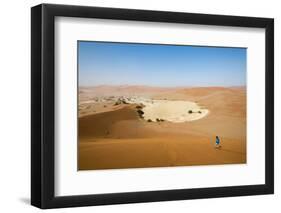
(114, 136)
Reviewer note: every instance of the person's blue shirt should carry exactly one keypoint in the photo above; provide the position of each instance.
(217, 140)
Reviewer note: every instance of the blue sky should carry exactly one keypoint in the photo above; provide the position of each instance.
(108, 63)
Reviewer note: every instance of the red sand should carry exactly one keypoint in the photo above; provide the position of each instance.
(118, 138)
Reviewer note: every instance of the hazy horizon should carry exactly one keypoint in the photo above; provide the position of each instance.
(143, 85)
(158, 65)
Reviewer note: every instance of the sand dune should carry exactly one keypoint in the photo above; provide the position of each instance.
(101, 124)
(157, 152)
(105, 90)
(119, 138)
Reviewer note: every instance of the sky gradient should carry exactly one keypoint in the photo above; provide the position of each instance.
(108, 63)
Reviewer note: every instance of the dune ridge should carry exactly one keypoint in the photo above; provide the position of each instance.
(115, 136)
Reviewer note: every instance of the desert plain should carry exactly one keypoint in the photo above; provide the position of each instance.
(131, 126)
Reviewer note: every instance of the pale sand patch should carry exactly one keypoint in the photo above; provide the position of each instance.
(173, 111)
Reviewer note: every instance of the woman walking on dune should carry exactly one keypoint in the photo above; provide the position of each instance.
(218, 142)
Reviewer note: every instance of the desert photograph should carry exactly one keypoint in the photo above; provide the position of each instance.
(160, 105)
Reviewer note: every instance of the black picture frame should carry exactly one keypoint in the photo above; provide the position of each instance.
(43, 110)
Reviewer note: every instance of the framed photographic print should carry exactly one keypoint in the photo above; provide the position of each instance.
(139, 106)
